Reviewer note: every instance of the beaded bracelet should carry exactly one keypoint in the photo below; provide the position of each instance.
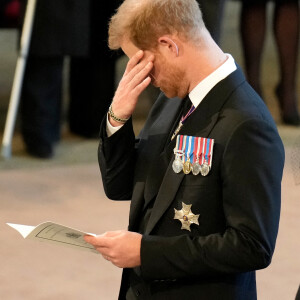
(114, 117)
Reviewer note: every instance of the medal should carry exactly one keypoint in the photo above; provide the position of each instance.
(204, 169)
(196, 165)
(177, 163)
(193, 155)
(187, 166)
(186, 217)
(206, 164)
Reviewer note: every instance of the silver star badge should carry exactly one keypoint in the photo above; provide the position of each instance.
(186, 217)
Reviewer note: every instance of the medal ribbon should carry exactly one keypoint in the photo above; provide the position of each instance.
(202, 144)
(207, 151)
(178, 149)
(210, 152)
(196, 149)
(183, 118)
(177, 144)
(187, 153)
(192, 149)
(183, 147)
(195, 146)
(181, 144)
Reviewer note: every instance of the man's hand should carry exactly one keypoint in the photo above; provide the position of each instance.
(133, 83)
(122, 248)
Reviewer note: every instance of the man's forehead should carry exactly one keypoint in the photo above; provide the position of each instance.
(129, 48)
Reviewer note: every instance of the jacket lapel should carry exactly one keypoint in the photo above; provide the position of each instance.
(158, 165)
(161, 119)
(200, 123)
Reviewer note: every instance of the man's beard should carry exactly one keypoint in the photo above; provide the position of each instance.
(174, 84)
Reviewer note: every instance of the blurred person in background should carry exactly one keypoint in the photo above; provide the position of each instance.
(92, 78)
(73, 28)
(213, 11)
(286, 32)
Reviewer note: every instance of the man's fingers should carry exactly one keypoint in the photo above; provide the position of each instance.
(134, 61)
(121, 248)
(89, 238)
(142, 86)
(97, 241)
(103, 240)
(140, 76)
(126, 96)
(132, 69)
(113, 233)
(144, 65)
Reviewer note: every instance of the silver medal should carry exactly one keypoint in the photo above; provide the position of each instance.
(196, 168)
(204, 169)
(177, 165)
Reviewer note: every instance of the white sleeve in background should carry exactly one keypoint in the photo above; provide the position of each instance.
(110, 130)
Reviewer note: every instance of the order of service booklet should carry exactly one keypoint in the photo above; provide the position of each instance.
(56, 234)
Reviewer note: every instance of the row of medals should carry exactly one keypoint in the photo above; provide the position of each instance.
(187, 167)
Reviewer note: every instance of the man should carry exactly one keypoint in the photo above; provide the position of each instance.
(204, 180)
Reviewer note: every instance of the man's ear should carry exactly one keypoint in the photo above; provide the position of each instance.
(169, 43)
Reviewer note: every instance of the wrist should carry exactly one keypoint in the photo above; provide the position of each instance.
(113, 123)
(114, 119)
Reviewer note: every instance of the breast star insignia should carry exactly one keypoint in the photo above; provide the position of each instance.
(186, 217)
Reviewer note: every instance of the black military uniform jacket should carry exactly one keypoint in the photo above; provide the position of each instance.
(238, 201)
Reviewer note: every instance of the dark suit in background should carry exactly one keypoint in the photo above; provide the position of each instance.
(238, 201)
(213, 11)
(66, 27)
(92, 78)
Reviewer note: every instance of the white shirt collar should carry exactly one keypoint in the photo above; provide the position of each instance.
(203, 87)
